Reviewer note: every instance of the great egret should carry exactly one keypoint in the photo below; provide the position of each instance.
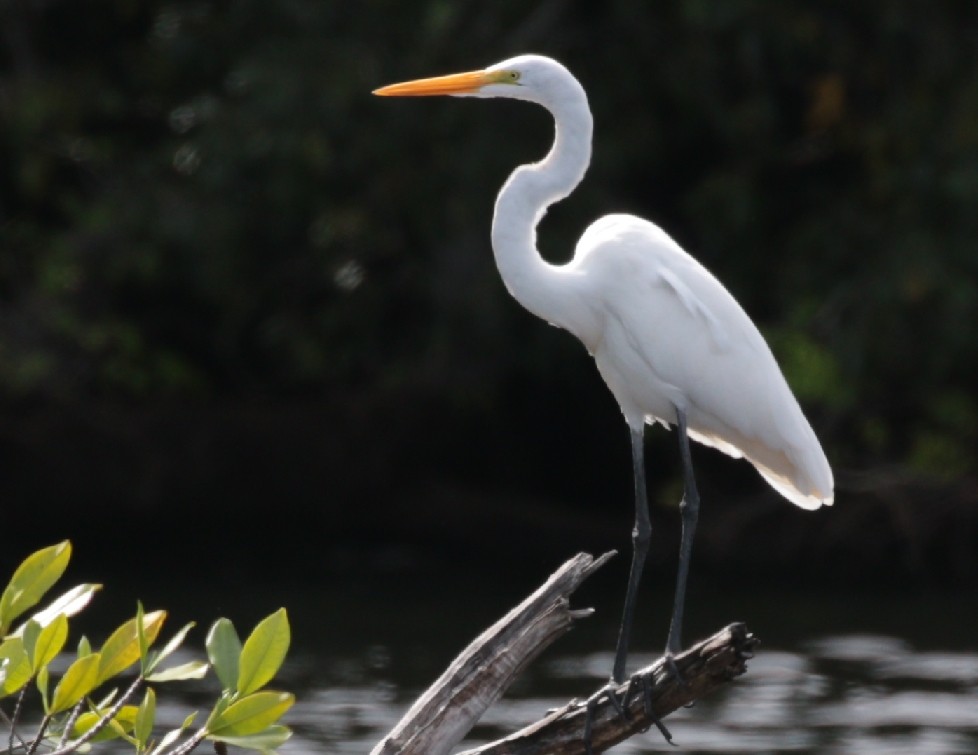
(671, 343)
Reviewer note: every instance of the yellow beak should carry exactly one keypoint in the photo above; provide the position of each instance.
(456, 83)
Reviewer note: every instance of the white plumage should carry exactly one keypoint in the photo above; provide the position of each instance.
(672, 336)
(669, 340)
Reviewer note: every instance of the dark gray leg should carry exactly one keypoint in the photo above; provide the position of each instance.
(689, 509)
(641, 534)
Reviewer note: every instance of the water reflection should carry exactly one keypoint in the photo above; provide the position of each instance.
(840, 694)
(835, 673)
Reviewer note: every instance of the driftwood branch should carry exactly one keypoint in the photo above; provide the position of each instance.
(703, 668)
(445, 713)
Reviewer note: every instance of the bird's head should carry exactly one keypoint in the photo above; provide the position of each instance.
(526, 77)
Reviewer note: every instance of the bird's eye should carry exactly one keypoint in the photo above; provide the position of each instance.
(514, 76)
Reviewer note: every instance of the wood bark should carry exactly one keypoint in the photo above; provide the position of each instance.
(444, 714)
(703, 668)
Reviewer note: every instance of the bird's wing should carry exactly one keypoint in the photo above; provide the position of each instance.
(674, 336)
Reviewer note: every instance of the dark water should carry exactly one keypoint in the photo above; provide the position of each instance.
(838, 671)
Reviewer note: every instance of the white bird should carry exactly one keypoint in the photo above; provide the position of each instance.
(670, 341)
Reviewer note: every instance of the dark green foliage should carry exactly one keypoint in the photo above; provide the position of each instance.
(202, 199)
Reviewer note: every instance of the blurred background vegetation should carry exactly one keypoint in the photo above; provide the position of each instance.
(229, 276)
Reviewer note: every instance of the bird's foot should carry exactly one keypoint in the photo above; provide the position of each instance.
(669, 661)
(637, 684)
(672, 668)
(609, 690)
(645, 682)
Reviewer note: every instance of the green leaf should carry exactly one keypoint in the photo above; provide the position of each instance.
(120, 726)
(31, 631)
(168, 739)
(18, 667)
(84, 722)
(84, 647)
(43, 676)
(80, 679)
(172, 736)
(168, 649)
(50, 642)
(265, 741)
(122, 648)
(263, 652)
(223, 651)
(251, 714)
(189, 670)
(226, 698)
(141, 638)
(69, 604)
(106, 702)
(145, 718)
(34, 577)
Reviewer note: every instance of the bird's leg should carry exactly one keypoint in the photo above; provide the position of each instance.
(689, 509)
(641, 534)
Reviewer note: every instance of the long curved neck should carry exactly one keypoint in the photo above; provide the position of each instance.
(542, 288)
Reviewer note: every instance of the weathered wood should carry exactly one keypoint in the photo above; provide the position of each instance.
(703, 668)
(445, 713)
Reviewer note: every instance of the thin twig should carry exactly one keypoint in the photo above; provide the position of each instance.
(14, 718)
(70, 723)
(10, 722)
(39, 737)
(102, 722)
(190, 744)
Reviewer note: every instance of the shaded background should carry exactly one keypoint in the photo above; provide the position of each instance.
(250, 321)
